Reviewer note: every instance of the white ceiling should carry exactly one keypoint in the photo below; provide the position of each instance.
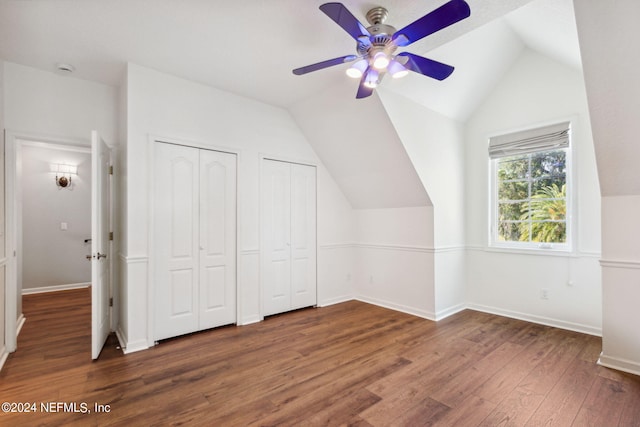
(249, 47)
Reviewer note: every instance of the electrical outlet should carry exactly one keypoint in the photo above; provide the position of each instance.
(371, 279)
(544, 293)
(348, 277)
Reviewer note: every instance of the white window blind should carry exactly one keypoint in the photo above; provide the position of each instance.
(545, 138)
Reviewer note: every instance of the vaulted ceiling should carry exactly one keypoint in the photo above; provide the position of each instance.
(250, 47)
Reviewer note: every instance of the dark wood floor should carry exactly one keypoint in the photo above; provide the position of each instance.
(348, 364)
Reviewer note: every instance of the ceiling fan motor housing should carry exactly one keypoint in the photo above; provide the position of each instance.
(381, 34)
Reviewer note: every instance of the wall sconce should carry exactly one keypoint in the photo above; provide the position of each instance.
(63, 174)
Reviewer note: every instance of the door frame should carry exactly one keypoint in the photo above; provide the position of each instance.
(284, 159)
(13, 142)
(151, 145)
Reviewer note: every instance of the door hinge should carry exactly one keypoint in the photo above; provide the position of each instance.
(111, 235)
(111, 170)
(111, 302)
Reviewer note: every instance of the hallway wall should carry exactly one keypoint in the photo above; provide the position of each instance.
(52, 256)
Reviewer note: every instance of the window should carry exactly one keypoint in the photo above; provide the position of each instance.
(531, 184)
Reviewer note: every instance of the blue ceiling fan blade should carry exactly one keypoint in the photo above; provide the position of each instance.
(341, 16)
(324, 64)
(447, 14)
(426, 66)
(363, 91)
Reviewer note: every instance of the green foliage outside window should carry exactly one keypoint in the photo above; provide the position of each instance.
(532, 199)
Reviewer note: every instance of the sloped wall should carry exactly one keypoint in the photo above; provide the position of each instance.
(608, 33)
(357, 141)
(393, 218)
(434, 143)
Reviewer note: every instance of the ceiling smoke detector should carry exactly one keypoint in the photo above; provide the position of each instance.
(65, 68)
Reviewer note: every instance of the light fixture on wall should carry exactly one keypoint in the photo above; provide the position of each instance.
(63, 174)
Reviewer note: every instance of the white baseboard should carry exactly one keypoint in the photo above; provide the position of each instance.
(398, 307)
(250, 320)
(55, 288)
(3, 356)
(20, 324)
(619, 364)
(135, 346)
(443, 314)
(122, 339)
(130, 347)
(336, 300)
(547, 321)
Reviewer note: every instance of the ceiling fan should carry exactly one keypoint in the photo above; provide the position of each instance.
(376, 44)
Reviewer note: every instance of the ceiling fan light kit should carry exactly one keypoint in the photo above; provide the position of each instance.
(376, 44)
(357, 70)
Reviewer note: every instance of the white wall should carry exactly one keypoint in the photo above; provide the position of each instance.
(394, 259)
(48, 105)
(45, 103)
(435, 146)
(611, 70)
(169, 107)
(51, 256)
(357, 142)
(119, 182)
(621, 282)
(536, 90)
(3, 259)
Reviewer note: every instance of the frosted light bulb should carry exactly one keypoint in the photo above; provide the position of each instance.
(397, 70)
(380, 61)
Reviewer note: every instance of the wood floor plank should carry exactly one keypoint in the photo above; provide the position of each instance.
(408, 406)
(553, 365)
(350, 364)
(458, 388)
(515, 409)
(506, 379)
(604, 404)
(470, 412)
(562, 404)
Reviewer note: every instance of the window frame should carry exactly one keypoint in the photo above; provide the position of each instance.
(538, 247)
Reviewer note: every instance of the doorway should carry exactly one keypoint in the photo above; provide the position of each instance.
(63, 178)
(54, 217)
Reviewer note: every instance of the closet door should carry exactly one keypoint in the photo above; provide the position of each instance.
(175, 240)
(303, 236)
(276, 236)
(217, 239)
(288, 227)
(194, 239)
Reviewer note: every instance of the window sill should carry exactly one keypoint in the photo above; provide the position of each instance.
(539, 251)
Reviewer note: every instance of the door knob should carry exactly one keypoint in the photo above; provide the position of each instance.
(99, 255)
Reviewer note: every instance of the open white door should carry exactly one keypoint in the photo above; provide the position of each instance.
(100, 162)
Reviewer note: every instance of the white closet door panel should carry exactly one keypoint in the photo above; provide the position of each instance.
(276, 236)
(303, 236)
(176, 263)
(181, 290)
(217, 238)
